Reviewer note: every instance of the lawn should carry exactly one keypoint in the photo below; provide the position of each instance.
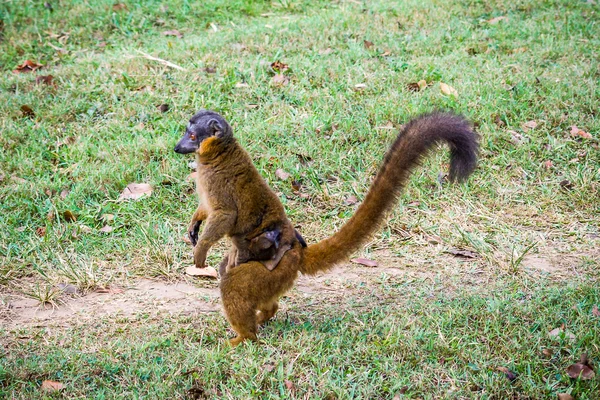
(484, 290)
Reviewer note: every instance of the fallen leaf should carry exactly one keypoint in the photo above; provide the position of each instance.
(511, 376)
(163, 108)
(207, 271)
(558, 332)
(41, 231)
(279, 67)
(69, 216)
(107, 217)
(595, 311)
(268, 367)
(367, 44)
(351, 200)
(360, 86)
(296, 186)
(386, 53)
(28, 66)
(64, 193)
(575, 131)
(582, 369)
(281, 174)
(45, 79)
(280, 80)
(210, 70)
(289, 385)
(463, 253)
(107, 229)
(364, 261)
(566, 184)
(529, 125)
(517, 139)
(52, 386)
(547, 353)
(495, 20)
(85, 229)
(192, 176)
(136, 191)
(565, 396)
(27, 111)
(119, 7)
(548, 164)
(173, 32)
(422, 84)
(448, 90)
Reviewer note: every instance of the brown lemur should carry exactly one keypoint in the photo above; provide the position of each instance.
(237, 201)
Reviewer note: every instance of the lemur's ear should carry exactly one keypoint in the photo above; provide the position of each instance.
(216, 128)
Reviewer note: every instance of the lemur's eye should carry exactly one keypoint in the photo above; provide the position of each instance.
(192, 136)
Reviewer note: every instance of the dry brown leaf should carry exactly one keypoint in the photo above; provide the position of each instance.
(351, 200)
(119, 7)
(280, 80)
(364, 261)
(27, 111)
(289, 385)
(557, 332)
(367, 44)
(52, 386)
(529, 125)
(173, 32)
(209, 272)
(575, 131)
(107, 229)
(64, 193)
(281, 174)
(192, 176)
(495, 20)
(448, 90)
(69, 216)
(45, 79)
(463, 253)
(28, 66)
(41, 231)
(163, 108)
(566, 184)
(548, 164)
(296, 186)
(135, 191)
(422, 84)
(565, 396)
(511, 376)
(107, 217)
(279, 67)
(210, 70)
(595, 311)
(582, 369)
(433, 239)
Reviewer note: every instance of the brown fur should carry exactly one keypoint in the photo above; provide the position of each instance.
(250, 293)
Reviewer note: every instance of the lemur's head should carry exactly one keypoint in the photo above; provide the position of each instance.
(205, 124)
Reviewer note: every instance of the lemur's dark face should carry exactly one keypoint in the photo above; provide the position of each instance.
(202, 126)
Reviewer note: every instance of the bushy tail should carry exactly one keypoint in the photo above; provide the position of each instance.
(413, 142)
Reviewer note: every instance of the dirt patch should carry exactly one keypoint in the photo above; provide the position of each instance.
(153, 296)
(145, 296)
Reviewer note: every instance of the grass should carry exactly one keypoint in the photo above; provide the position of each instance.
(534, 195)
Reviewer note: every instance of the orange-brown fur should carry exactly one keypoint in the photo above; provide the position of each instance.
(250, 293)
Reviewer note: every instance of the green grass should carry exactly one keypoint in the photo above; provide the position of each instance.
(99, 129)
